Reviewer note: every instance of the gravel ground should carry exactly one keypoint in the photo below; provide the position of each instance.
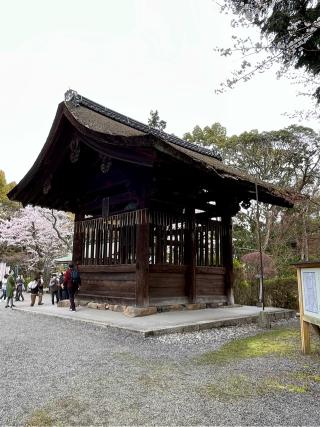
(61, 372)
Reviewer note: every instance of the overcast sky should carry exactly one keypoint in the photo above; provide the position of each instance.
(131, 56)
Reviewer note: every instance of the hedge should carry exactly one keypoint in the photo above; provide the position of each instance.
(278, 292)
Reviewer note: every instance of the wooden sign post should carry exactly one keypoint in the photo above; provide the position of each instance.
(308, 274)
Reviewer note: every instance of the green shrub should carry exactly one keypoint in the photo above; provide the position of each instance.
(245, 292)
(282, 292)
(278, 292)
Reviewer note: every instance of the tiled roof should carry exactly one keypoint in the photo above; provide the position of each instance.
(230, 172)
(79, 100)
(99, 123)
(107, 122)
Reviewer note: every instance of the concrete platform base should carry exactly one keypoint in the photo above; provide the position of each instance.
(159, 323)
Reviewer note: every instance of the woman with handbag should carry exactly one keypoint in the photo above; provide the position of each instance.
(34, 288)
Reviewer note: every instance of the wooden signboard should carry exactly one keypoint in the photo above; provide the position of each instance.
(309, 300)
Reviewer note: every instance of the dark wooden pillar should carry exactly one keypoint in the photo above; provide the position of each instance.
(142, 261)
(227, 257)
(77, 240)
(190, 256)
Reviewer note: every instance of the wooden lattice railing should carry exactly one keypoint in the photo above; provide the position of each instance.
(113, 240)
(208, 238)
(110, 240)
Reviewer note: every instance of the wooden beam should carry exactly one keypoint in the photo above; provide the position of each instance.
(114, 201)
(77, 241)
(304, 326)
(190, 257)
(206, 216)
(305, 336)
(316, 328)
(227, 257)
(142, 263)
(184, 201)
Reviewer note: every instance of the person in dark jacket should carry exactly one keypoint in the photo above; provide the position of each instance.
(72, 282)
(4, 287)
(19, 288)
(60, 287)
(40, 289)
(54, 288)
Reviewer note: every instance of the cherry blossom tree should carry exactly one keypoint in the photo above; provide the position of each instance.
(39, 235)
(252, 265)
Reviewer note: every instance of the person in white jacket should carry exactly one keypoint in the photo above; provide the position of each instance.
(4, 289)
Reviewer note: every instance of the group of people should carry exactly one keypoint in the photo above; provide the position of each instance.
(57, 288)
(11, 288)
(63, 287)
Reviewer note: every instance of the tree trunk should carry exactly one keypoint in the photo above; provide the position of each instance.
(304, 237)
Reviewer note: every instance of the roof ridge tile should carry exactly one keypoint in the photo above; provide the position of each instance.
(77, 100)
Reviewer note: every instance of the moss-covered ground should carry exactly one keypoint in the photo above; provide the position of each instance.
(279, 343)
(267, 366)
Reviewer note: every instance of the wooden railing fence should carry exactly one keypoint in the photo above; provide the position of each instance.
(113, 240)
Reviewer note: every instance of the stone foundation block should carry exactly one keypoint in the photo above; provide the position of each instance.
(101, 306)
(197, 306)
(81, 302)
(212, 305)
(116, 307)
(173, 307)
(264, 320)
(93, 304)
(64, 303)
(98, 305)
(139, 311)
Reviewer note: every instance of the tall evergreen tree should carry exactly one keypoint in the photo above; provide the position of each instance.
(155, 122)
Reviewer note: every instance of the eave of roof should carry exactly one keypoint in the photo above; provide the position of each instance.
(281, 197)
(99, 123)
(14, 193)
(79, 100)
(88, 116)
